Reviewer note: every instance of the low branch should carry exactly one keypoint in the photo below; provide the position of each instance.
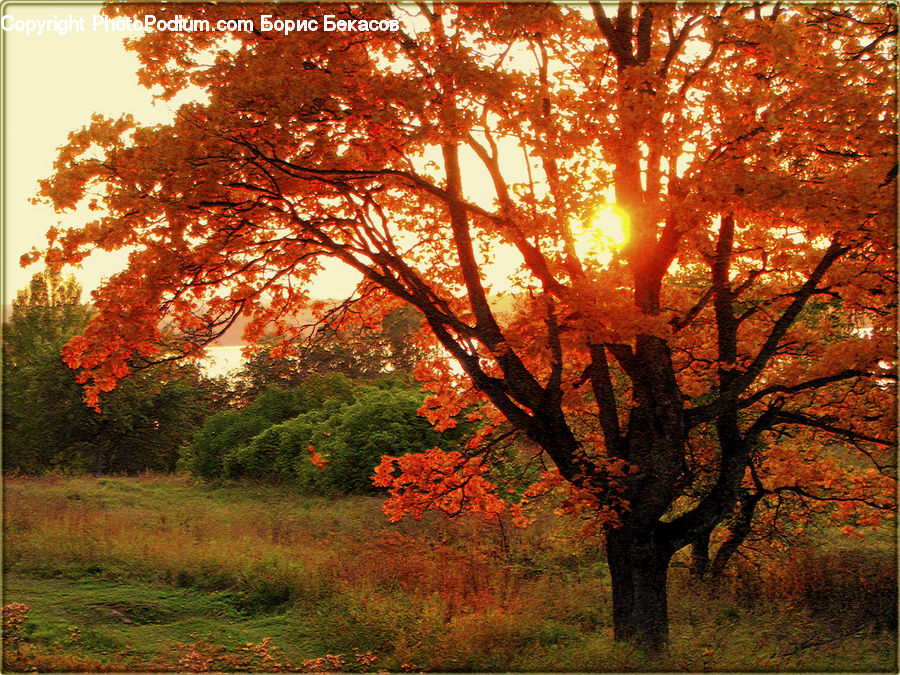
(803, 386)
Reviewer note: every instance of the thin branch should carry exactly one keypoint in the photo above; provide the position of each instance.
(785, 321)
(803, 386)
(786, 417)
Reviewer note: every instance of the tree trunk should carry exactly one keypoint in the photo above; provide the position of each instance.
(700, 555)
(638, 565)
(740, 528)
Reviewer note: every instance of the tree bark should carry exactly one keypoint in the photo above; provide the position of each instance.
(739, 531)
(638, 566)
(700, 555)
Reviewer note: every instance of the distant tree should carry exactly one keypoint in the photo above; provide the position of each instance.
(358, 352)
(37, 385)
(379, 422)
(263, 370)
(46, 424)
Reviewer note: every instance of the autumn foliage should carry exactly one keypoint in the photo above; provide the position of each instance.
(732, 362)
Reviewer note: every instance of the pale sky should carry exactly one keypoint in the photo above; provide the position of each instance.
(52, 84)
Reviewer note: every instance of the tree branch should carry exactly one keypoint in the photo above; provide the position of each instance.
(787, 417)
(607, 411)
(803, 386)
(620, 49)
(785, 321)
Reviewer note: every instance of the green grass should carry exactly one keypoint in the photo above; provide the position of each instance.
(111, 616)
(159, 573)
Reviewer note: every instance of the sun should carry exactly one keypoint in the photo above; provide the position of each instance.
(610, 223)
(605, 231)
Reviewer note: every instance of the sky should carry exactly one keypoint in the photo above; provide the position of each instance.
(52, 84)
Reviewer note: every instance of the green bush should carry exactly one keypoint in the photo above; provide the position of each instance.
(380, 422)
(281, 450)
(217, 448)
(220, 434)
(351, 438)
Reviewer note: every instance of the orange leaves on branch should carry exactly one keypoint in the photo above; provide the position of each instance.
(317, 460)
(436, 480)
(599, 510)
(451, 483)
(548, 481)
(451, 394)
(850, 531)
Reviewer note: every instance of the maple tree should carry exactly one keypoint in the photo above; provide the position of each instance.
(739, 346)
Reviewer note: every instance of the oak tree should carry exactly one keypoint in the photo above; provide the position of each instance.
(739, 346)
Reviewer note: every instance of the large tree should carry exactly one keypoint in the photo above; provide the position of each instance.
(740, 343)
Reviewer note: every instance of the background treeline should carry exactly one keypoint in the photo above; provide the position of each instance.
(350, 398)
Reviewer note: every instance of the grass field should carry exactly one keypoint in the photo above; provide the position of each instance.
(160, 574)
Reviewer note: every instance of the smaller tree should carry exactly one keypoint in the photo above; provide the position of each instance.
(341, 342)
(225, 432)
(43, 317)
(46, 424)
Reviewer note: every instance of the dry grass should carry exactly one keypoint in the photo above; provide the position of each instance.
(324, 577)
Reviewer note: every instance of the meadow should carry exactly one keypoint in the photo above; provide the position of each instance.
(162, 573)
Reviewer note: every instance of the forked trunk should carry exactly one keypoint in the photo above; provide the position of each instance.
(638, 566)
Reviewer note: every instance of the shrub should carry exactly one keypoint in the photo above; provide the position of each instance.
(221, 433)
(217, 448)
(351, 438)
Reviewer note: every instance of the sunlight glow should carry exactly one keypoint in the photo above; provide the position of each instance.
(599, 236)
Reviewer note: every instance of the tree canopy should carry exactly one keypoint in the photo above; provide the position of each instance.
(744, 330)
